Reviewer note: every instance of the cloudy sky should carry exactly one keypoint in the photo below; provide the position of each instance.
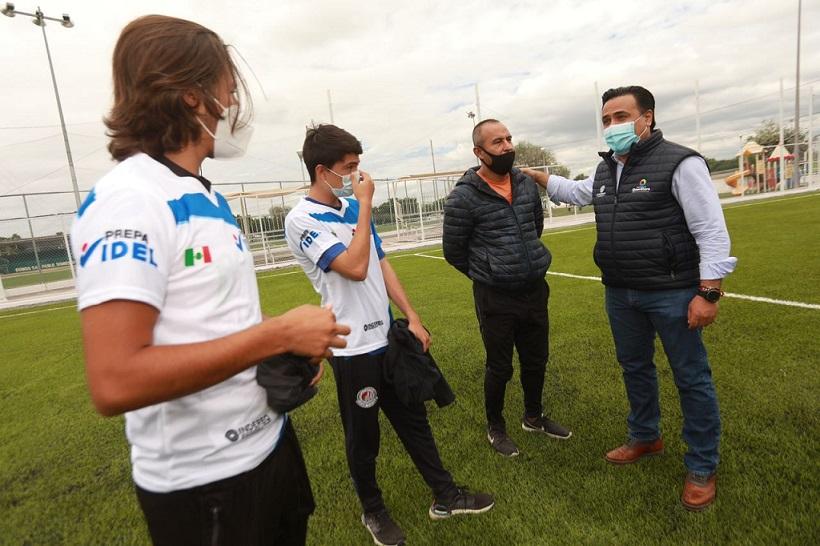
(402, 73)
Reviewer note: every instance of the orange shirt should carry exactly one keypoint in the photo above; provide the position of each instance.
(504, 189)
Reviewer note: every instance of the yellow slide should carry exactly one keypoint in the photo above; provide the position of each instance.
(732, 181)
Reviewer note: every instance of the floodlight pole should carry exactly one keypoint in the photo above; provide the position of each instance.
(781, 142)
(796, 171)
(697, 115)
(330, 106)
(596, 109)
(810, 168)
(40, 19)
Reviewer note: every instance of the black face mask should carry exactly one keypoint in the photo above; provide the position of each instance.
(502, 164)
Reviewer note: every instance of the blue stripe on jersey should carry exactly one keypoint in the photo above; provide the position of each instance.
(329, 255)
(197, 204)
(378, 240)
(351, 215)
(90, 198)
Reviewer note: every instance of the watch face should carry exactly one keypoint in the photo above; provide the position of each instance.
(711, 296)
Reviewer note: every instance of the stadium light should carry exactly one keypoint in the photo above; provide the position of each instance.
(39, 19)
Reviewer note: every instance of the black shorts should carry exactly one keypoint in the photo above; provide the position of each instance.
(269, 504)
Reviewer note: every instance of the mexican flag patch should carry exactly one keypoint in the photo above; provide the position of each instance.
(197, 255)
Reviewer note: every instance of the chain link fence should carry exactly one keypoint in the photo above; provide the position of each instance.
(35, 254)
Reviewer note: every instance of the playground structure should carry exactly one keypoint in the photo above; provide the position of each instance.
(757, 173)
(780, 158)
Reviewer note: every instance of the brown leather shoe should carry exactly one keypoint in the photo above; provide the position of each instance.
(699, 491)
(634, 450)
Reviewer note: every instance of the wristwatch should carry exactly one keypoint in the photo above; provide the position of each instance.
(710, 293)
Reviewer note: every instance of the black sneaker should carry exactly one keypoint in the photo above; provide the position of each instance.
(546, 426)
(383, 529)
(464, 502)
(502, 443)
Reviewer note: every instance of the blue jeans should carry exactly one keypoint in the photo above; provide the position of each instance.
(635, 316)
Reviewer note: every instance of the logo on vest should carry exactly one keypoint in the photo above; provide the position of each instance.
(367, 397)
(602, 191)
(643, 185)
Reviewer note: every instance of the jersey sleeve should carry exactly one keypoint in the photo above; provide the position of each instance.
(311, 238)
(123, 247)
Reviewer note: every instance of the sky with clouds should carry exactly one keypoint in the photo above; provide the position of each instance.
(402, 73)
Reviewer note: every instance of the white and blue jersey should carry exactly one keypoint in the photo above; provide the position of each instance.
(153, 233)
(316, 234)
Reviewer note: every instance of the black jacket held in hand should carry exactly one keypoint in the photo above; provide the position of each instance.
(286, 379)
(414, 374)
(492, 241)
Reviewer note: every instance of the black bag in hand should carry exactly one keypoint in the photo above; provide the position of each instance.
(286, 379)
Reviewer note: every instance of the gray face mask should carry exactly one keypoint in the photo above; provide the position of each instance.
(347, 184)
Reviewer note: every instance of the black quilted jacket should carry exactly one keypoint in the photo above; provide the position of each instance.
(492, 241)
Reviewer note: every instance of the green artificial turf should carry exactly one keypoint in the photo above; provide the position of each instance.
(65, 471)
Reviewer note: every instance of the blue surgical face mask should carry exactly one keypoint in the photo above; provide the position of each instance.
(347, 184)
(621, 137)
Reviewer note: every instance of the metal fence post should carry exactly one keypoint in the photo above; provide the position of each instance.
(33, 240)
(420, 201)
(67, 250)
(243, 210)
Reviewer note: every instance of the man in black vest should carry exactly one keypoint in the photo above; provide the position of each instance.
(493, 221)
(663, 249)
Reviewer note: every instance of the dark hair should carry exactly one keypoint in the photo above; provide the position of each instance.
(642, 96)
(326, 145)
(157, 60)
(477, 130)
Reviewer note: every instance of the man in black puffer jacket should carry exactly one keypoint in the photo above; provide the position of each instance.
(493, 221)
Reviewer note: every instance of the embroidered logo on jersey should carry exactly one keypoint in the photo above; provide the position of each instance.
(373, 325)
(197, 255)
(643, 185)
(111, 247)
(240, 242)
(307, 237)
(602, 191)
(367, 397)
(234, 435)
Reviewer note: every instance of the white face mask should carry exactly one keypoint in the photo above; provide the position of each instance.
(227, 144)
(347, 184)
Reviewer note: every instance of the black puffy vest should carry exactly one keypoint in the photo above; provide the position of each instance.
(643, 241)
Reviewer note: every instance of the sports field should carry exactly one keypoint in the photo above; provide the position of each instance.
(65, 474)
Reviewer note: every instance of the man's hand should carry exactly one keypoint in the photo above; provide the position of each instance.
(311, 331)
(701, 313)
(420, 332)
(363, 189)
(541, 178)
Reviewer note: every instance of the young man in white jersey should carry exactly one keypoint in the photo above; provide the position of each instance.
(334, 240)
(172, 326)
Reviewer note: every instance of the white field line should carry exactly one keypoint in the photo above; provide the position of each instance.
(279, 274)
(763, 201)
(38, 311)
(547, 232)
(760, 299)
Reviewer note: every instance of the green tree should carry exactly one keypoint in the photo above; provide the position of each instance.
(768, 134)
(528, 154)
(278, 214)
(716, 165)
(580, 176)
